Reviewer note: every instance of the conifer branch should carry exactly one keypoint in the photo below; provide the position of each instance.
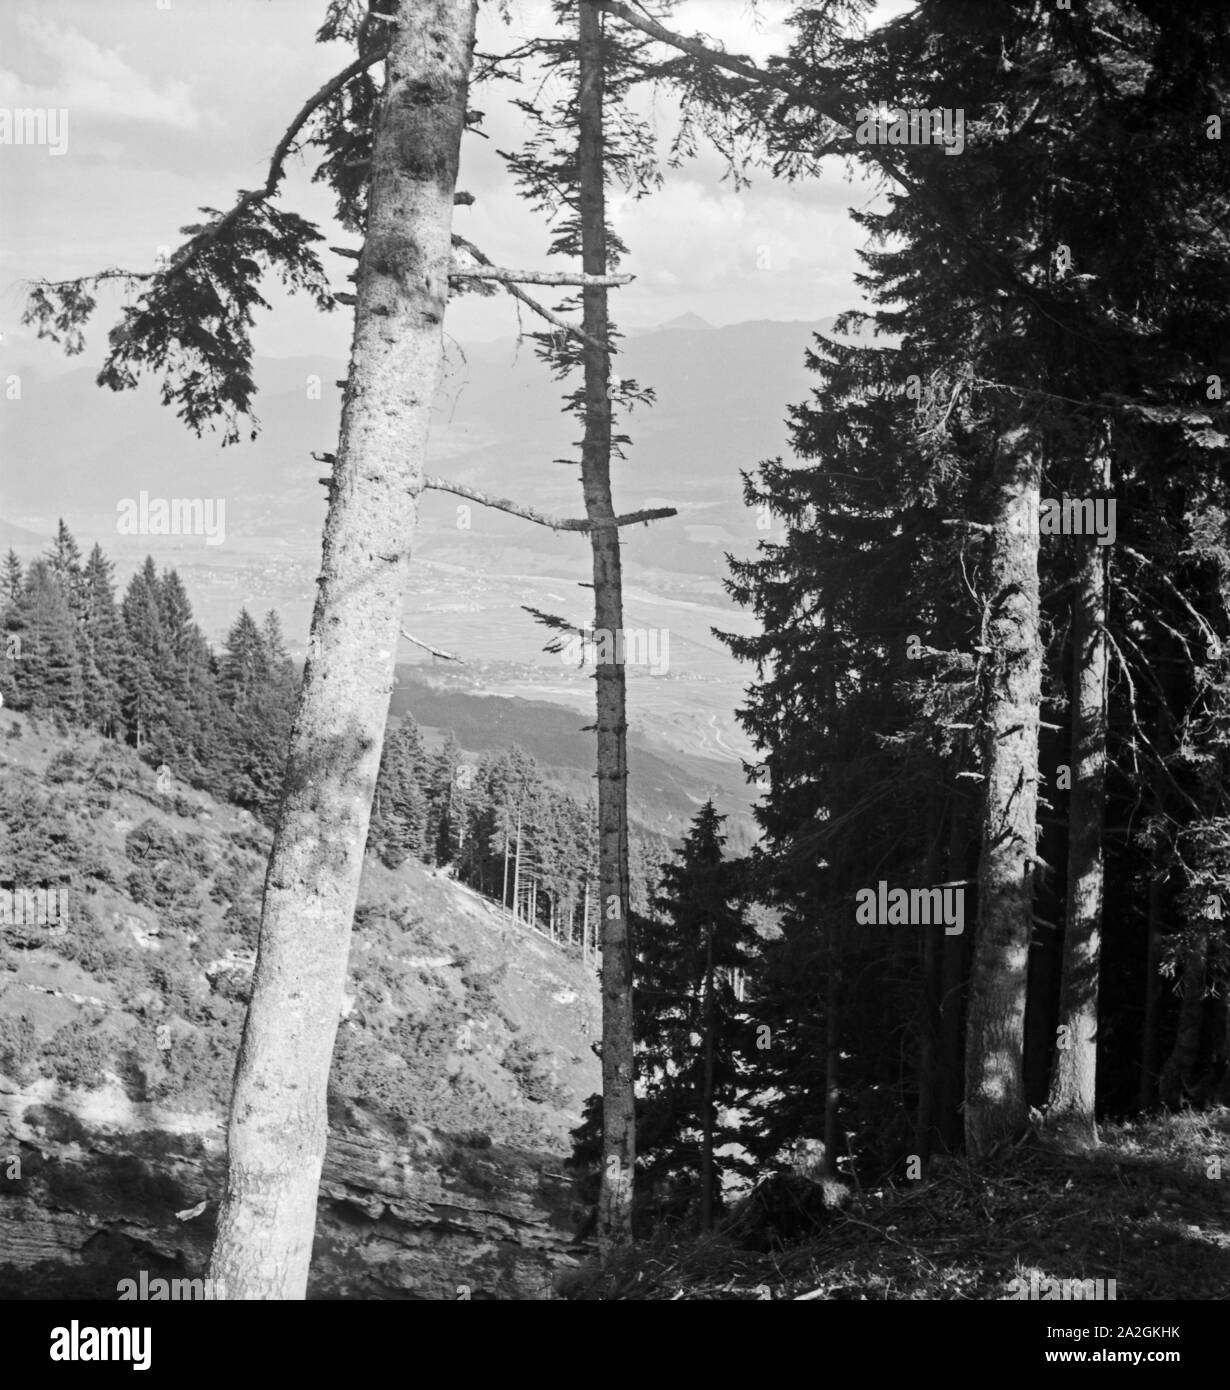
(248, 196)
(830, 104)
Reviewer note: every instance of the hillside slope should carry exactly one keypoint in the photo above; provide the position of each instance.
(463, 1056)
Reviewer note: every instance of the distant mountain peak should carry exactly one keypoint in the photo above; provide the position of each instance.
(693, 323)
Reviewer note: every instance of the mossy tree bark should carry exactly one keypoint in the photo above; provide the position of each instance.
(995, 1105)
(1074, 1070)
(278, 1125)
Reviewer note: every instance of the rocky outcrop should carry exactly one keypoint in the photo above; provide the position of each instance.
(95, 1189)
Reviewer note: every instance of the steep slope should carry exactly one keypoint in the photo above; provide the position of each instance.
(666, 784)
(462, 1059)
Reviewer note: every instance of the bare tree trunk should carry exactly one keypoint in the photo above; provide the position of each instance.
(1075, 1068)
(278, 1125)
(995, 1105)
(932, 953)
(1223, 1089)
(832, 1053)
(1178, 1073)
(516, 902)
(707, 1116)
(618, 1105)
(1150, 1050)
(952, 987)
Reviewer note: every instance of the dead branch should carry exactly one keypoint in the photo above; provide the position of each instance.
(533, 277)
(556, 523)
(574, 330)
(1205, 626)
(435, 651)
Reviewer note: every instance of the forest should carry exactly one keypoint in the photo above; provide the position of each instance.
(979, 954)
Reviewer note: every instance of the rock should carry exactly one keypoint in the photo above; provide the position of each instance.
(108, 1190)
(784, 1207)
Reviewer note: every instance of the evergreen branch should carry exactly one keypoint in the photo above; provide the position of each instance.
(753, 76)
(557, 624)
(277, 163)
(249, 196)
(830, 105)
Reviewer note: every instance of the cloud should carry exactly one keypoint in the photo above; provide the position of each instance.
(94, 81)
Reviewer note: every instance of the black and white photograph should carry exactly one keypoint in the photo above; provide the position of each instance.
(615, 667)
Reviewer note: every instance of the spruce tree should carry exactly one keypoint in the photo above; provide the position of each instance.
(10, 579)
(399, 811)
(64, 558)
(47, 678)
(103, 645)
(691, 1024)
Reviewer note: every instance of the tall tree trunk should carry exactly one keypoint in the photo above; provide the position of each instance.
(278, 1125)
(1178, 1074)
(952, 988)
(707, 1116)
(932, 953)
(516, 901)
(995, 1107)
(1159, 870)
(618, 1106)
(832, 1052)
(1075, 1068)
(1223, 1090)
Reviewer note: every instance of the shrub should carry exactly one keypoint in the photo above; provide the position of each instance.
(18, 1049)
(64, 767)
(76, 1054)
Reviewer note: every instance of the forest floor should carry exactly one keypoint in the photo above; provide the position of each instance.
(1149, 1207)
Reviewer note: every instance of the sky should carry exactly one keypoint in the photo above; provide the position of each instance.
(176, 104)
